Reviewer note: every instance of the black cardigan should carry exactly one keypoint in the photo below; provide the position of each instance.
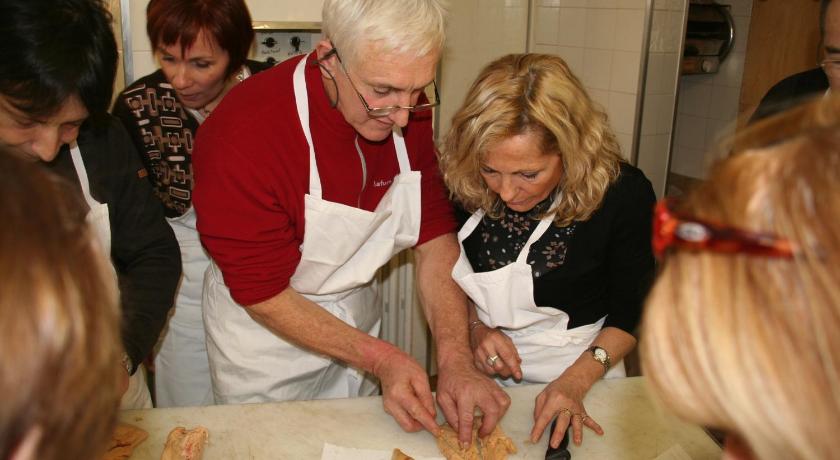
(607, 266)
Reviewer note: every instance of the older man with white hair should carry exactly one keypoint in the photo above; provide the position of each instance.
(310, 177)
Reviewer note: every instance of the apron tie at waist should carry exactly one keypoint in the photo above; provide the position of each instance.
(557, 337)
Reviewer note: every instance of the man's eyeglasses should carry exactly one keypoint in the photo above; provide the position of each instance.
(831, 67)
(377, 112)
(671, 230)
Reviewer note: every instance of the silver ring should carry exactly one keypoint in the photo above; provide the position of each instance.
(491, 361)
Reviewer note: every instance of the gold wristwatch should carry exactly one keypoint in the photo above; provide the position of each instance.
(600, 355)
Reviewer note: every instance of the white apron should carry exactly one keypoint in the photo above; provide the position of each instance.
(182, 373)
(343, 247)
(137, 396)
(504, 298)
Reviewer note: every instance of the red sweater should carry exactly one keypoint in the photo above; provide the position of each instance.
(251, 166)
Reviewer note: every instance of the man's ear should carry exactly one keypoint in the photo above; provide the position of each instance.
(325, 59)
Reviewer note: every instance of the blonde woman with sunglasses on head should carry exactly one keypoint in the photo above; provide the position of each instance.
(742, 328)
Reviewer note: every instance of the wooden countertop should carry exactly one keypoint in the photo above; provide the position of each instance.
(634, 428)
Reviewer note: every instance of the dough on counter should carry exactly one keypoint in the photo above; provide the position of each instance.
(400, 455)
(183, 444)
(123, 442)
(496, 446)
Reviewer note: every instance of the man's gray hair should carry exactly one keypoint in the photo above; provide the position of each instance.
(388, 26)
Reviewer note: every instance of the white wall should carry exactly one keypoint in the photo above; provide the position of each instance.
(708, 104)
(601, 40)
(663, 67)
(478, 31)
(261, 10)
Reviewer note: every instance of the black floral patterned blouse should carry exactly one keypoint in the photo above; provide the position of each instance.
(589, 269)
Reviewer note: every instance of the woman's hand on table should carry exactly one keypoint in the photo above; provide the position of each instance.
(460, 389)
(563, 398)
(494, 352)
(406, 394)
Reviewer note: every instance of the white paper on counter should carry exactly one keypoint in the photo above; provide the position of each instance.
(333, 452)
(676, 452)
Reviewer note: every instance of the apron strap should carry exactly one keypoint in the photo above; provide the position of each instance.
(302, 103)
(402, 151)
(470, 225)
(535, 235)
(475, 218)
(196, 114)
(81, 172)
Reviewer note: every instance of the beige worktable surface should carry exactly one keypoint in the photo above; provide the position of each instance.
(634, 428)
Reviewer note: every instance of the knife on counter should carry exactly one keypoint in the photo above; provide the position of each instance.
(562, 451)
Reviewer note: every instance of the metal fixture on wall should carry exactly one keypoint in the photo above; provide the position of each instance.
(709, 36)
(277, 41)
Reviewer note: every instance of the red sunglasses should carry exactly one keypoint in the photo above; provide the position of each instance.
(671, 230)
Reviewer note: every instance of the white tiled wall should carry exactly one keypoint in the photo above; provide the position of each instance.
(477, 32)
(261, 10)
(602, 41)
(708, 104)
(663, 65)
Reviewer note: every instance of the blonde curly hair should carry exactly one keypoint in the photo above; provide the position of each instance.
(531, 93)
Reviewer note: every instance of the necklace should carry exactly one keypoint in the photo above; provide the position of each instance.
(239, 77)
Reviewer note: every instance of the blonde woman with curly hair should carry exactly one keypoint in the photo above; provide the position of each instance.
(59, 323)
(742, 328)
(555, 255)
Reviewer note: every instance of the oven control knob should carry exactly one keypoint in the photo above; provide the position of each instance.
(269, 42)
(295, 41)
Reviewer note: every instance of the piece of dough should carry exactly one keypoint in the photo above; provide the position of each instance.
(123, 442)
(183, 444)
(400, 455)
(496, 446)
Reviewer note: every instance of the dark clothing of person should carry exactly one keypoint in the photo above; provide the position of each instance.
(790, 92)
(144, 251)
(164, 133)
(588, 269)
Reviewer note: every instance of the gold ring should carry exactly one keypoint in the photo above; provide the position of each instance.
(566, 411)
(491, 361)
(583, 417)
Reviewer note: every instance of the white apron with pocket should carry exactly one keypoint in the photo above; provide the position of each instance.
(137, 396)
(343, 247)
(504, 298)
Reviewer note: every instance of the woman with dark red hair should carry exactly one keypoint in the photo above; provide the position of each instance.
(201, 46)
